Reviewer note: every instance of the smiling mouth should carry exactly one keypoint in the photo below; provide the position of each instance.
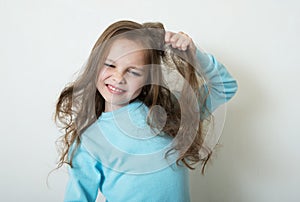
(114, 89)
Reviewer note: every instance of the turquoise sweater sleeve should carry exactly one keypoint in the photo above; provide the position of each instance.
(220, 84)
(84, 178)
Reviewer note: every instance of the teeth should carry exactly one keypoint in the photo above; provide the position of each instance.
(115, 89)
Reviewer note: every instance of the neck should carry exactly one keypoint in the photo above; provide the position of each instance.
(111, 107)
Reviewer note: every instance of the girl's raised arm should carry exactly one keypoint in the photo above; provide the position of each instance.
(221, 85)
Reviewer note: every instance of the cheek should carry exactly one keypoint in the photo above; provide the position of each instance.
(138, 85)
(103, 74)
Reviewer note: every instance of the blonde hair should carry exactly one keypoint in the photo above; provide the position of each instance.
(80, 104)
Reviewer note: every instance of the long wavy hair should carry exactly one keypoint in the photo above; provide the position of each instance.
(80, 104)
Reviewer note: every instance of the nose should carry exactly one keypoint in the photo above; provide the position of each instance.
(118, 77)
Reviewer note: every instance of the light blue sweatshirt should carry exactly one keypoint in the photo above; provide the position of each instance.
(124, 158)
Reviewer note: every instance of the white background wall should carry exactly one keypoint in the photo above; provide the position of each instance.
(43, 43)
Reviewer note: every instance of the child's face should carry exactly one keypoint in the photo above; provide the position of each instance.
(123, 75)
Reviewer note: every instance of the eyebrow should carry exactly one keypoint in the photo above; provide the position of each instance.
(110, 60)
(132, 67)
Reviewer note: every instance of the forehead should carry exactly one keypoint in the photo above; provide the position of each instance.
(123, 50)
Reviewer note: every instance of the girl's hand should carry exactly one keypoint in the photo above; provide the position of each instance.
(180, 40)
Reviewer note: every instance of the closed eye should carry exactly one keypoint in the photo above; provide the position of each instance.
(133, 72)
(109, 65)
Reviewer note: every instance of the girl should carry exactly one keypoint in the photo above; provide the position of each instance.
(129, 132)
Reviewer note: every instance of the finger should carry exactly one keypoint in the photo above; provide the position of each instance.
(180, 44)
(186, 43)
(183, 41)
(168, 36)
(174, 40)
